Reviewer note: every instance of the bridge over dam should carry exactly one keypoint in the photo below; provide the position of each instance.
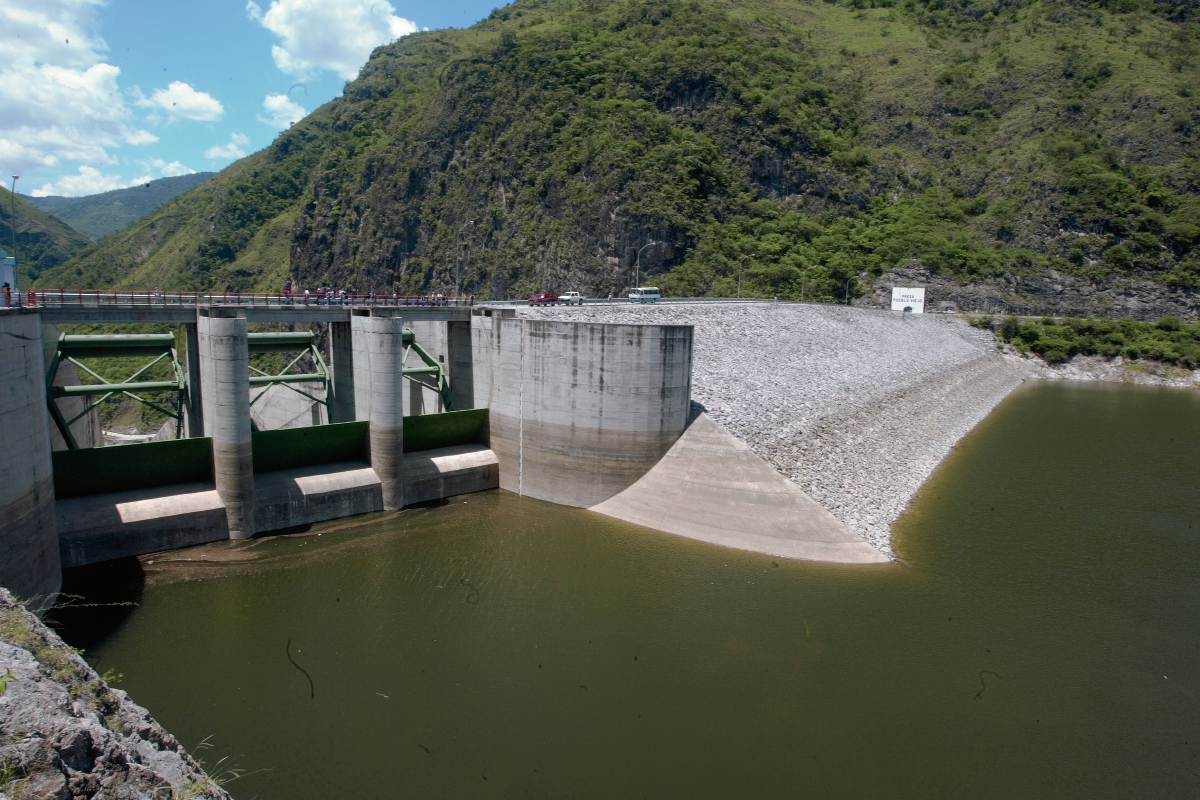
(407, 404)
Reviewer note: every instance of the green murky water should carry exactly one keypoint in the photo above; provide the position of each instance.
(1040, 638)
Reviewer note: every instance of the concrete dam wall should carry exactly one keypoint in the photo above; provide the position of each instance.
(579, 411)
(28, 533)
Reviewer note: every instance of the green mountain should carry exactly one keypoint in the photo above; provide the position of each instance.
(98, 215)
(43, 240)
(1044, 151)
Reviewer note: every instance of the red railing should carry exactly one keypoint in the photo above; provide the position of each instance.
(99, 297)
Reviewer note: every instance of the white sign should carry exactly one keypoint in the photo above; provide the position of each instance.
(908, 300)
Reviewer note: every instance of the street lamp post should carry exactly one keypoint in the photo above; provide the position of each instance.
(13, 220)
(458, 254)
(741, 261)
(637, 269)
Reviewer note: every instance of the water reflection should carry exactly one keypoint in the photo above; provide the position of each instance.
(1038, 638)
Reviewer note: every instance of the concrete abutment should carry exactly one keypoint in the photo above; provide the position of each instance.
(29, 552)
(580, 411)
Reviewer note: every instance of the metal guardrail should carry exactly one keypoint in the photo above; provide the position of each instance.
(52, 298)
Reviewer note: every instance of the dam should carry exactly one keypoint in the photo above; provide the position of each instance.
(572, 412)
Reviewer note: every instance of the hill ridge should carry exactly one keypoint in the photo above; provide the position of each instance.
(98, 215)
(813, 148)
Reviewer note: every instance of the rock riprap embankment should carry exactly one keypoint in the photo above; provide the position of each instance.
(65, 734)
(855, 406)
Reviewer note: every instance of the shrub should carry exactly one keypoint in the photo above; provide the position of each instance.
(1169, 340)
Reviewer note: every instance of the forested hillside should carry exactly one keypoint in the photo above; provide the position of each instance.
(43, 240)
(98, 215)
(1044, 151)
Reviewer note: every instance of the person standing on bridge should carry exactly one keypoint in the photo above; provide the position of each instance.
(7, 295)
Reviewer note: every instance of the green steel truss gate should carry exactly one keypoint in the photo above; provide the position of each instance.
(154, 348)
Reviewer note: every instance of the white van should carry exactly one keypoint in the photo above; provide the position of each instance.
(571, 298)
(646, 294)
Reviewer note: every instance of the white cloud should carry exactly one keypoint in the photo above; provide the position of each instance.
(59, 100)
(236, 148)
(89, 181)
(181, 100)
(336, 35)
(281, 112)
(165, 169)
(141, 137)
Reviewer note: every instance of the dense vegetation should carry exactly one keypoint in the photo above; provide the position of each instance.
(98, 215)
(816, 145)
(1057, 340)
(43, 240)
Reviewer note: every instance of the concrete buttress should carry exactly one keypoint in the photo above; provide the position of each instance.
(29, 555)
(225, 388)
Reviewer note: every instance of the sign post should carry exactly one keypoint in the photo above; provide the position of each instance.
(912, 300)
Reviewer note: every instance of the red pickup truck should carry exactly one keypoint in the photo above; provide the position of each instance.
(544, 299)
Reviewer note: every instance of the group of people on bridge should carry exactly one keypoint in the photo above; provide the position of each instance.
(329, 297)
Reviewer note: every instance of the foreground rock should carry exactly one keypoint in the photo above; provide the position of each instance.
(856, 407)
(65, 734)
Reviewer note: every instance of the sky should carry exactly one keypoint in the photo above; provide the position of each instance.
(103, 94)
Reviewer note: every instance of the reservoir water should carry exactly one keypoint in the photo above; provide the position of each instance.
(1038, 637)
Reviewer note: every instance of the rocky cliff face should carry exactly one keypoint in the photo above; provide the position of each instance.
(65, 734)
(1045, 293)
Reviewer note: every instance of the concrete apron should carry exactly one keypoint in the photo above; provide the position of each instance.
(712, 487)
(137, 522)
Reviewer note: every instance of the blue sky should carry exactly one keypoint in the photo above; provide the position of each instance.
(101, 95)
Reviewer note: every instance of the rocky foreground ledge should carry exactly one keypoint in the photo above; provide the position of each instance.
(66, 735)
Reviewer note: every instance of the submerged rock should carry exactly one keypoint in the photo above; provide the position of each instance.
(66, 734)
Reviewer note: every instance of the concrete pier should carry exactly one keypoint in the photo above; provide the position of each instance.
(194, 415)
(225, 384)
(378, 340)
(29, 555)
(460, 368)
(341, 358)
(580, 411)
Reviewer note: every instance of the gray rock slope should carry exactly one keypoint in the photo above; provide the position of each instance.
(65, 734)
(855, 406)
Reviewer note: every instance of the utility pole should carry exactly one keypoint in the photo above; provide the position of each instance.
(637, 269)
(458, 254)
(741, 261)
(13, 220)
